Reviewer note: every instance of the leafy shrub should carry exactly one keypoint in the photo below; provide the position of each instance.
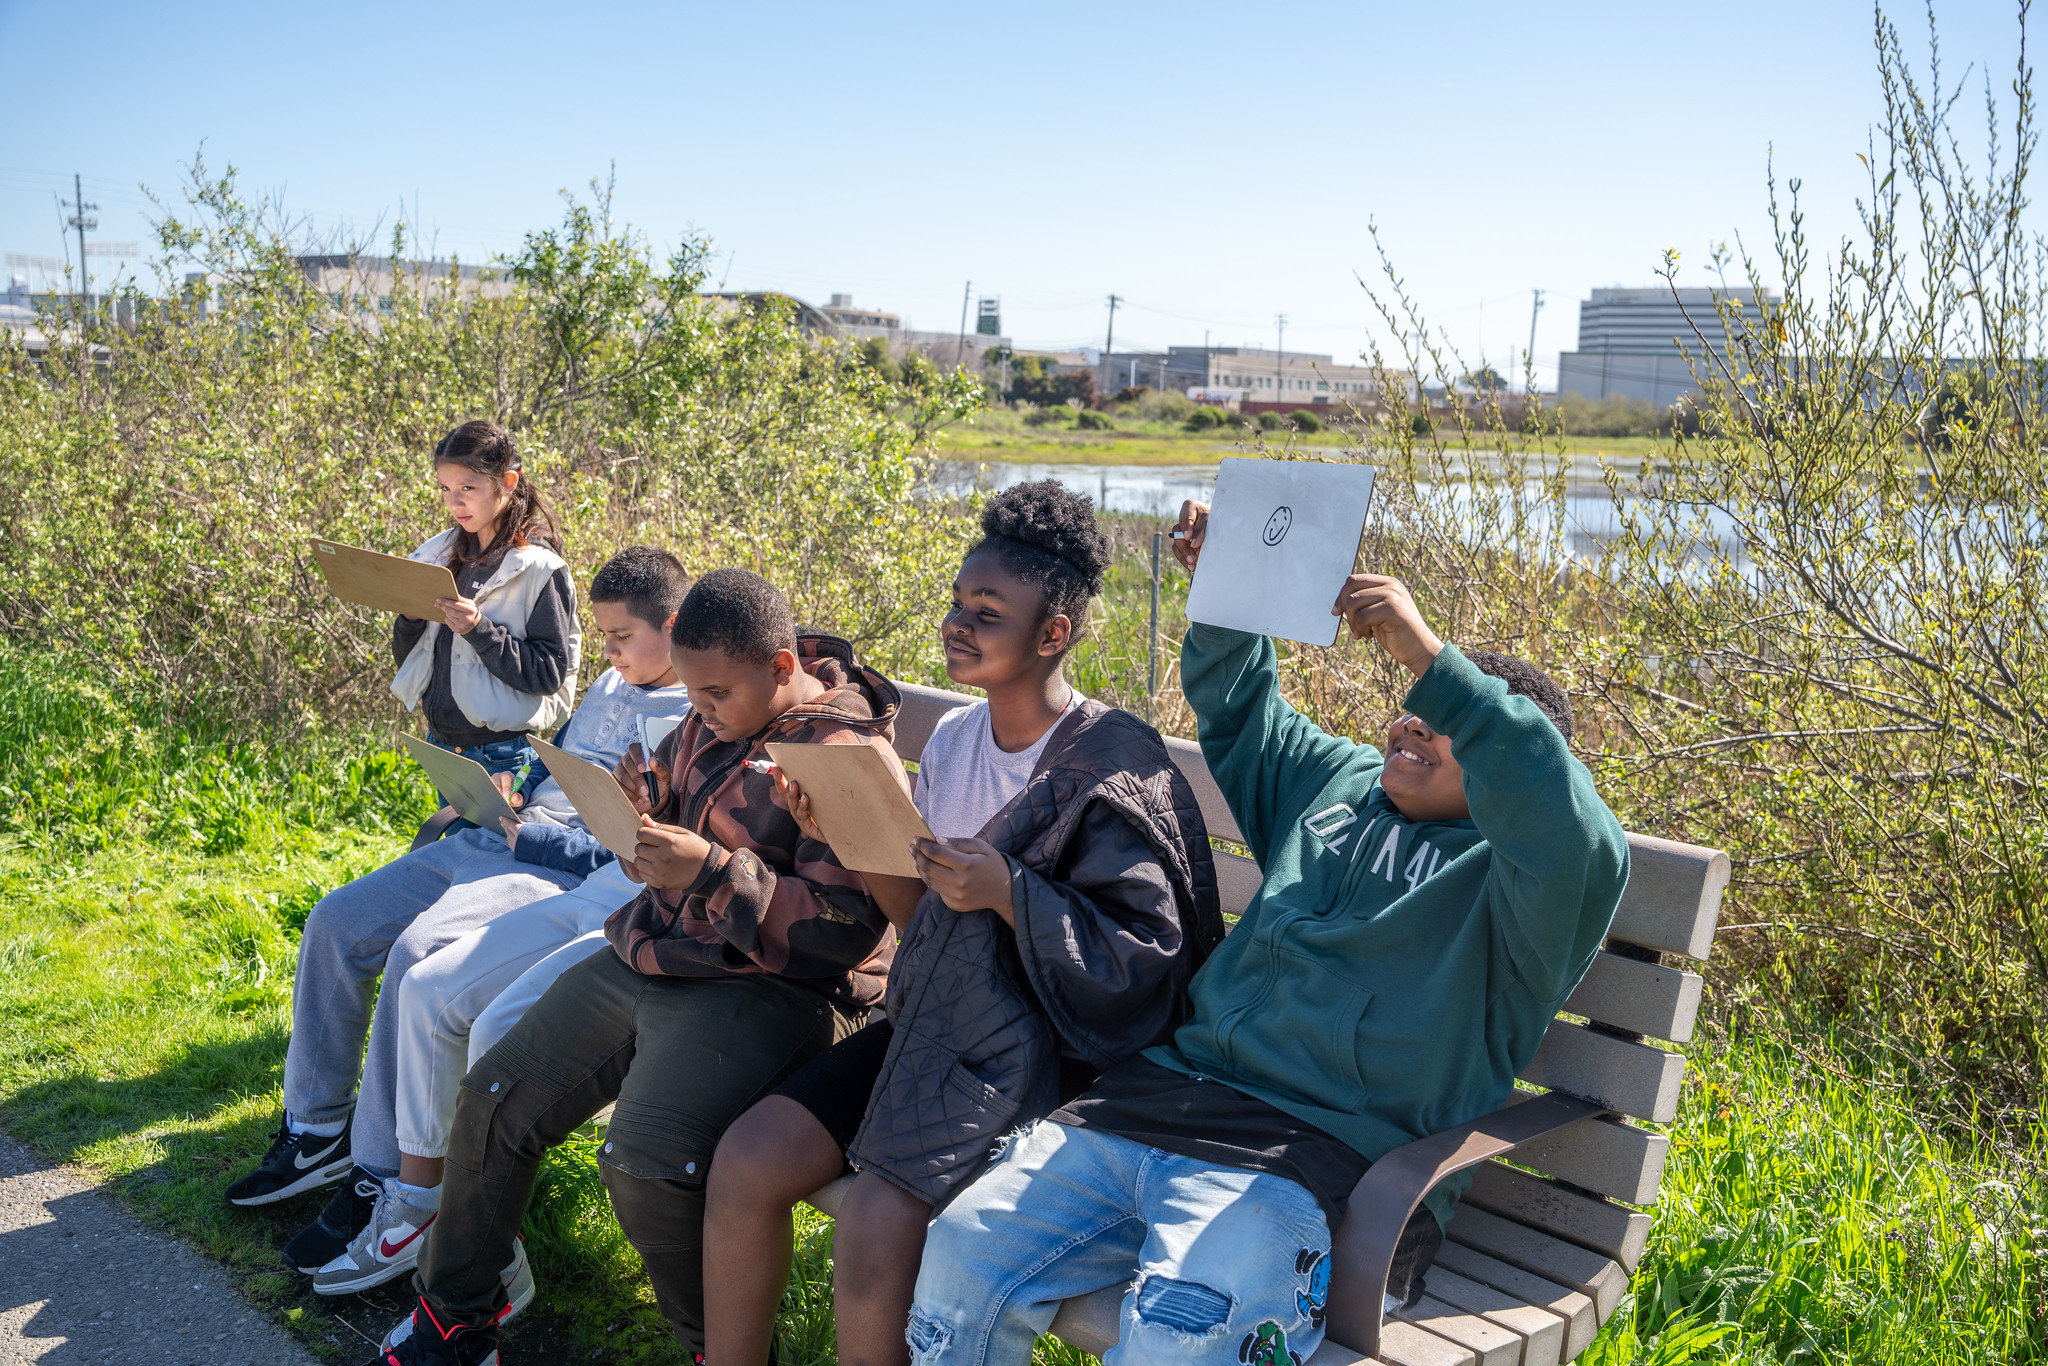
(1205, 419)
(1271, 422)
(158, 504)
(1089, 420)
(1305, 421)
(1056, 416)
(1033, 381)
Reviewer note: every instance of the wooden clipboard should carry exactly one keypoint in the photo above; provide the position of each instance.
(463, 783)
(857, 797)
(595, 794)
(386, 583)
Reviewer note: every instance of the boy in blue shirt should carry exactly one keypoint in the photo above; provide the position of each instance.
(1423, 915)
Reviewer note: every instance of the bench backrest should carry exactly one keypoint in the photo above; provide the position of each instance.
(1600, 1047)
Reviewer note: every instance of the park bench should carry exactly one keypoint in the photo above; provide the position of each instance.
(1540, 1251)
(1543, 1244)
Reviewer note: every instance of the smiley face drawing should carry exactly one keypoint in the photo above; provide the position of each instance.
(1277, 524)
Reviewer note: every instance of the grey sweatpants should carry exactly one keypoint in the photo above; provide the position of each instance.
(380, 925)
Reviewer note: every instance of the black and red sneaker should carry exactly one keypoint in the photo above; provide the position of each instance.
(295, 1162)
(422, 1341)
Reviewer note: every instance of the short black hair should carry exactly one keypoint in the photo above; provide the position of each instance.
(647, 582)
(1046, 535)
(736, 613)
(1526, 680)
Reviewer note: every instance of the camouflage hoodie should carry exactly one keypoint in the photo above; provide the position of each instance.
(768, 899)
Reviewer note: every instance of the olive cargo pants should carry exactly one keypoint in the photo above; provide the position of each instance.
(682, 1056)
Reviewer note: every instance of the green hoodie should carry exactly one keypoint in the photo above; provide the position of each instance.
(1392, 977)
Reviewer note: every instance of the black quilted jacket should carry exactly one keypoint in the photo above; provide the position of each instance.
(1097, 966)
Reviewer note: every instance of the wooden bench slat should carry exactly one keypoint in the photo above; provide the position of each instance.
(1615, 1230)
(1489, 1343)
(1632, 1078)
(1093, 1321)
(1552, 1258)
(1541, 1331)
(827, 1199)
(1610, 1156)
(1673, 899)
(1643, 998)
(1187, 757)
(1237, 881)
(1403, 1344)
(1575, 1307)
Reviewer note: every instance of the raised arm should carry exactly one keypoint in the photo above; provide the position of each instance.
(1560, 858)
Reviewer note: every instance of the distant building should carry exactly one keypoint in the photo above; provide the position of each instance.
(1633, 342)
(1292, 379)
(947, 349)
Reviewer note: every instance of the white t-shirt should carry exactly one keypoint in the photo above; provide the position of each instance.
(964, 777)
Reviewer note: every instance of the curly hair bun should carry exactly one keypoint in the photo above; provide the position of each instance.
(1048, 516)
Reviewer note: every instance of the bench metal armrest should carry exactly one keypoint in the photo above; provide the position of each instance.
(436, 826)
(1362, 1253)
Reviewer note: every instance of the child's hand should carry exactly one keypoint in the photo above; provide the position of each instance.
(503, 782)
(461, 614)
(968, 875)
(668, 856)
(1383, 608)
(799, 805)
(1191, 530)
(511, 829)
(631, 776)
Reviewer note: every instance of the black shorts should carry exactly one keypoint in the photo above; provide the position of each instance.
(835, 1085)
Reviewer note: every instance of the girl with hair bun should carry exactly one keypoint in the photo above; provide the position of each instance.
(501, 662)
(1062, 908)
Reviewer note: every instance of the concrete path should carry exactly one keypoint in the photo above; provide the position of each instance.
(84, 1283)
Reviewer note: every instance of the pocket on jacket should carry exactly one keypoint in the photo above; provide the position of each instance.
(974, 1110)
(1333, 1007)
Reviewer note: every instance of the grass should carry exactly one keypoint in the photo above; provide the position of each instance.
(1809, 1214)
(1001, 436)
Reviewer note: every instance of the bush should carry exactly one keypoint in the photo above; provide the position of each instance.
(157, 505)
(1055, 416)
(1031, 381)
(1206, 419)
(1089, 420)
(1305, 421)
(1271, 422)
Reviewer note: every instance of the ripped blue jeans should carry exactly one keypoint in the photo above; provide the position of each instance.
(1223, 1267)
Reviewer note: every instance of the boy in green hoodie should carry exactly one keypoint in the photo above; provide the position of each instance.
(1424, 914)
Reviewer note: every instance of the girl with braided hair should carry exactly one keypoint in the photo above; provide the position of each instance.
(1065, 902)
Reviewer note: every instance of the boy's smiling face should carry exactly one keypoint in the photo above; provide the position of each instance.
(637, 649)
(1421, 775)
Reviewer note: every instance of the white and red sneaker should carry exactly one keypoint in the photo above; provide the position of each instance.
(385, 1248)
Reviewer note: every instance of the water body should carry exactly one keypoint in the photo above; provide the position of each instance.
(1592, 515)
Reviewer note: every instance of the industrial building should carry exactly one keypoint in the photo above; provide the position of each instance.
(1635, 343)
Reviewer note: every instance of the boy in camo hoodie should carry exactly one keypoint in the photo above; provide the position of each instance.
(750, 950)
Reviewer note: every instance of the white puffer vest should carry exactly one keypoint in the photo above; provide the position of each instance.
(507, 598)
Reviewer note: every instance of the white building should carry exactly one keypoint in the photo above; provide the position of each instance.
(1634, 342)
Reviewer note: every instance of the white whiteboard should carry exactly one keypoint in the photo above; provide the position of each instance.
(1283, 535)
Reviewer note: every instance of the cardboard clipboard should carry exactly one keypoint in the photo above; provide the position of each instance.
(595, 794)
(386, 583)
(463, 783)
(1283, 536)
(858, 800)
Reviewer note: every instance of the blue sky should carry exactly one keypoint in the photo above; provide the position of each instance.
(1215, 164)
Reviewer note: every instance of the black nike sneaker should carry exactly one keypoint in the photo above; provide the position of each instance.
(421, 1341)
(295, 1162)
(346, 1216)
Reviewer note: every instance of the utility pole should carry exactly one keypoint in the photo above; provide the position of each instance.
(1108, 345)
(1280, 364)
(1529, 360)
(960, 347)
(81, 220)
